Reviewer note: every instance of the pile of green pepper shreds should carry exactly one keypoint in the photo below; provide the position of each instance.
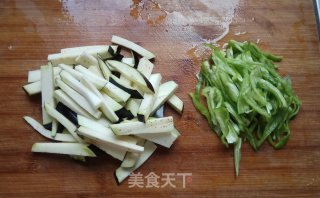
(247, 100)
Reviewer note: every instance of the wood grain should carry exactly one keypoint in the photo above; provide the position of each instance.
(30, 30)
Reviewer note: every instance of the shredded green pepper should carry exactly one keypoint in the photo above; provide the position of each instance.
(247, 100)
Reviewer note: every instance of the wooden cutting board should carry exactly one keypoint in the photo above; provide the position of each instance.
(174, 31)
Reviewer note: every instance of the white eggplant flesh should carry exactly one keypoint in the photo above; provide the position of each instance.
(134, 47)
(108, 112)
(86, 60)
(114, 141)
(102, 84)
(47, 88)
(166, 90)
(90, 123)
(96, 70)
(96, 128)
(152, 125)
(104, 69)
(96, 80)
(105, 130)
(145, 67)
(32, 88)
(163, 139)
(131, 158)
(77, 149)
(64, 121)
(116, 93)
(62, 97)
(68, 58)
(125, 84)
(176, 103)
(46, 133)
(84, 48)
(133, 106)
(114, 105)
(132, 74)
(128, 61)
(105, 107)
(149, 99)
(114, 152)
(35, 75)
(54, 127)
(122, 173)
(102, 50)
(104, 121)
(71, 71)
(78, 98)
(94, 100)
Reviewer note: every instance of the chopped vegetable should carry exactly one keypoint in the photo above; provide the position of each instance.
(86, 60)
(145, 67)
(112, 140)
(77, 149)
(47, 88)
(149, 99)
(78, 98)
(131, 158)
(133, 106)
(94, 95)
(126, 43)
(133, 75)
(176, 103)
(105, 107)
(64, 121)
(32, 88)
(166, 91)
(128, 61)
(163, 139)
(115, 152)
(122, 173)
(247, 100)
(152, 125)
(94, 101)
(159, 113)
(58, 137)
(70, 70)
(35, 75)
(62, 97)
(119, 82)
